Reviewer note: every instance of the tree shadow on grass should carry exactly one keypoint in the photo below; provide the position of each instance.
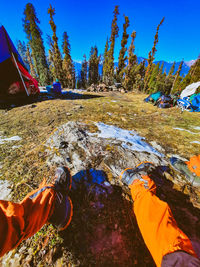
(104, 231)
(14, 101)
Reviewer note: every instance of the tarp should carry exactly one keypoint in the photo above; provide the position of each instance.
(190, 90)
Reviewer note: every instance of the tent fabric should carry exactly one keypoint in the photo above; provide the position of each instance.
(7, 47)
(155, 96)
(11, 66)
(190, 90)
(27, 76)
(196, 103)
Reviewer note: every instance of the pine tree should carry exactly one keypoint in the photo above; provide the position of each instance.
(169, 80)
(161, 69)
(114, 35)
(34, 35)
(177, 79)
(30, 62)
(160, 80)
(195, 71)
(57, 59)
(151, 57)
(132, 64)
(171, 71)
(192, 76)
(84, 68)
(21, 48)
(51, 58)
(105, 63)
(139, 76)
(122, 58)
(73, 81)
(68, 67)
(153, 78)
(93, 75)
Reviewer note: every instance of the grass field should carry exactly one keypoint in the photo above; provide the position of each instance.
(23, 162)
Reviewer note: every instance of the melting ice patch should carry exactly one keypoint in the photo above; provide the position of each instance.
(5, 190)
(180, 129)
(13, 138)
(196, 128)
(130, 139)
(195, 142)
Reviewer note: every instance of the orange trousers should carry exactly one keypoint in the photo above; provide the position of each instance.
(156, 222)
(194, 164)
(19, 221)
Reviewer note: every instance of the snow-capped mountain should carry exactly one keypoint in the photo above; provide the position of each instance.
(166, 67)
(190, 63)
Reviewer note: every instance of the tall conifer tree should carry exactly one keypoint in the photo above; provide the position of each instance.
(151, 57)
(105, 62)
(51, 58)
(122, 58)
(93, 75)
(193, 74)
(132, 63)
(67, 62)
(169, 79)
(30, 62)
(160, 79)
(177, 78)
(84, 68)
(34, 35)
(139, 73)
(21, 48)
(153, 78)
(114, 35)
(57, 59)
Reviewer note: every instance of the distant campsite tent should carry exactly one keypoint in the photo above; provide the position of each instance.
(190, 90)
(14, 77)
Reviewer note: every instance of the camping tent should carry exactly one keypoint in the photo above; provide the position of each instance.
(190, 90)
(14, 77)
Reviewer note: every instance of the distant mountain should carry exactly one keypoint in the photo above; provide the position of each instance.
(167, 66)
(191, 62)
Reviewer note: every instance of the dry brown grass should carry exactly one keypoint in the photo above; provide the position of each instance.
(35, 124)
(26, 165)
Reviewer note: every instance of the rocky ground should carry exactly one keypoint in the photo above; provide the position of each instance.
(97, 137)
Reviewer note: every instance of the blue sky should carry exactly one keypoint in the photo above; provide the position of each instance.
(88, 23)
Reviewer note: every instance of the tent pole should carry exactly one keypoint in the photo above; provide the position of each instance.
(20, 75)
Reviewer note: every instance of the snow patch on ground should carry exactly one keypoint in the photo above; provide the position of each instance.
(195, 142)
(177, 156)
(196, 128)
(180, 129)
(130, 139)
(13, 138)
(5, 190)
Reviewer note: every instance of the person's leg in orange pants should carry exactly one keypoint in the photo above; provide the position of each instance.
(47, 204)
(155, 220)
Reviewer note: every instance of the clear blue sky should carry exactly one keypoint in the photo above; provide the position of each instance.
(88, 23)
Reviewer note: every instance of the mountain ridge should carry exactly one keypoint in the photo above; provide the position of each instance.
(167, 65)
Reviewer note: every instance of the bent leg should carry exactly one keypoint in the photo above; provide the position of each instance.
(156, 222)
(21, 220)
